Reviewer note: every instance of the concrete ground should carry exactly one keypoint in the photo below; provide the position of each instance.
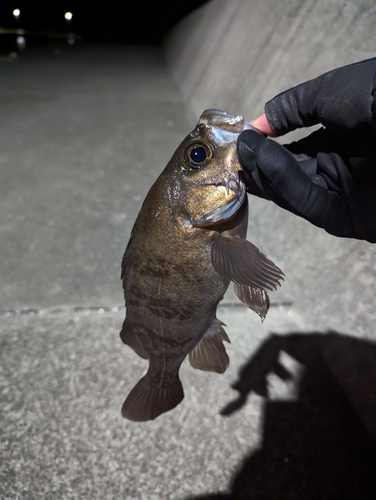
(84, 132)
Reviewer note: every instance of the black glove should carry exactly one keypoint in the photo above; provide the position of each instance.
(329, 177)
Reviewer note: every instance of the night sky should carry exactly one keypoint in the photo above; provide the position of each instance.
(124, 22)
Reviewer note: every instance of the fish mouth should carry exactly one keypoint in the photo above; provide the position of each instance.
(227, 210)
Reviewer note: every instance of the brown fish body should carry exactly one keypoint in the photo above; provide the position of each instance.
(177, 267)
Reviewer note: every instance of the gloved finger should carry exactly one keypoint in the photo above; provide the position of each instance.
(358, 143)
(247, 143)
(319, 141)
(310, 168)
(322, 99)
(311, 201)
(257, 184)
(301, 187)
(311, 153)
(246, 146)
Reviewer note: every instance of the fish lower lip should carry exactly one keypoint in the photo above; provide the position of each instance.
(228, 209)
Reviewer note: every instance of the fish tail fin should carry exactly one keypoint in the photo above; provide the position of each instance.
(147, 400)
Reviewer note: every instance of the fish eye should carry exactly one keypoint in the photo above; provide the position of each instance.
(197, 154)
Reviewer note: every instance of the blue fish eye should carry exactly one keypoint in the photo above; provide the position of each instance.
(197, 154)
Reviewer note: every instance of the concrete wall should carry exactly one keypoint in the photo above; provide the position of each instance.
(235, 55)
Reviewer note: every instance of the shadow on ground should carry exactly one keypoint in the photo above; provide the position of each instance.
(315, 447)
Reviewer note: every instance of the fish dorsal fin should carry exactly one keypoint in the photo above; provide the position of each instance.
(129, 337)
(239, 261)
(210, 353)
(254, 298)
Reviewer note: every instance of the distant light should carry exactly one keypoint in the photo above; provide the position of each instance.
(21, 43)
(16, 13)
(68, 16)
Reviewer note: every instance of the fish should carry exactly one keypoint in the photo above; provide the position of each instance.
(187, 243)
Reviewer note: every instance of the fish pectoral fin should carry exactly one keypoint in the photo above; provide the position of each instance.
(129, 337)
(239, 261)
(147, 400)
(210, 353)
(255, 298)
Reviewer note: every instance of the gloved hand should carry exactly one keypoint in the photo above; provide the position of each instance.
(329, 177)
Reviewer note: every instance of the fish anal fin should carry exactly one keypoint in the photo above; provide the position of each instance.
(239, 261)
(210, 353)
(129, 337)
(148, 400)
(255, 298)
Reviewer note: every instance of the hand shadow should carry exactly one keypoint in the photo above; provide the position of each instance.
(315, 447)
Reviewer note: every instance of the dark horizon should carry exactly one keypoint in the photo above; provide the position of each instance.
(139, 23)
